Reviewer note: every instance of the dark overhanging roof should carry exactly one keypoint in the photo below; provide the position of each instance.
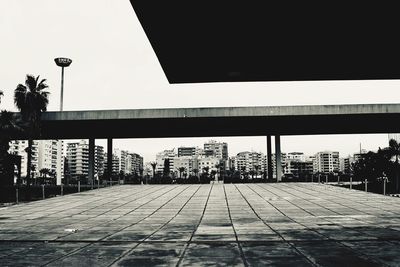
(222, 121)
(224, 41)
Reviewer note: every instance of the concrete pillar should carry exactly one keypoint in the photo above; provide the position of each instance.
(109, 156)
(91, 160)
(278, 158)
(59, 166)
(270, 169)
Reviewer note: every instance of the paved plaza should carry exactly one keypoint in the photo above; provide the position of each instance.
(286, 224)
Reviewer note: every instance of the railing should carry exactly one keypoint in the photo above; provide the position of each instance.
(21, 193)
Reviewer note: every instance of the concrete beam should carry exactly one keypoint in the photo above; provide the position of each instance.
(223, 121)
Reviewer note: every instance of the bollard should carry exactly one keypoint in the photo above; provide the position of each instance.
(16, 196)
(326, 179)
(338, 179)
(98, 184)
(43, 196)
(351, 182)
(79, 186)
(366, 185)
(92, 183)
(319, 178)
(62, 189)
(384, 186)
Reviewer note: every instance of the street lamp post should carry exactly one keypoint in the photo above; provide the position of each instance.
(63, 63)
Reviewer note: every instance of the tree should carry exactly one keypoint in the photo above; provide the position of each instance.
(181, 170)
(213, 173)
(243, 170)
(44, 172)
(9, 125)
(31, 99)
(256, 168)
(371, 166)
(394, 152)
(205, 175)
(252, 173)
(218, 166)
(153, 165)
(166, 169)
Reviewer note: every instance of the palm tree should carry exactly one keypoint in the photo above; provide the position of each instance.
(153, 165)
(31, 99)
(181, 169)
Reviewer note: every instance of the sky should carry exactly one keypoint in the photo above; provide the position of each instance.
(114, 67)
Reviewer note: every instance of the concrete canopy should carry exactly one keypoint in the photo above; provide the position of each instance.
(223, 41)
(223, 121)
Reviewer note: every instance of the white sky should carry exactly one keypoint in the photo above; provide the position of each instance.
(114, 67)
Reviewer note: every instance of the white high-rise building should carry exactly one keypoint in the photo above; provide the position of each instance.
(216, 149)
(250, 161)
(295, 156)
(123, 165)
(45, 155)
(169, 154)
(326, 162)
(78, 159)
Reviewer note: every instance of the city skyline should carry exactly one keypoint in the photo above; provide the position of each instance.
(257, 143)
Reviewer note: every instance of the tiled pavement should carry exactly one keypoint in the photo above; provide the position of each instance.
(286, 224)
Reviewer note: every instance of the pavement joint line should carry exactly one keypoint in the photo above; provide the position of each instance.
(176, 187)
(340, 204)
(286, 200)
(348, 197)
(181, 256)
(62, 210)
(310, 260)
(365, 256)
(355, 218)
(141, 242)
(68, 254)
(144, 195)
(234, 230)
(64, 256)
